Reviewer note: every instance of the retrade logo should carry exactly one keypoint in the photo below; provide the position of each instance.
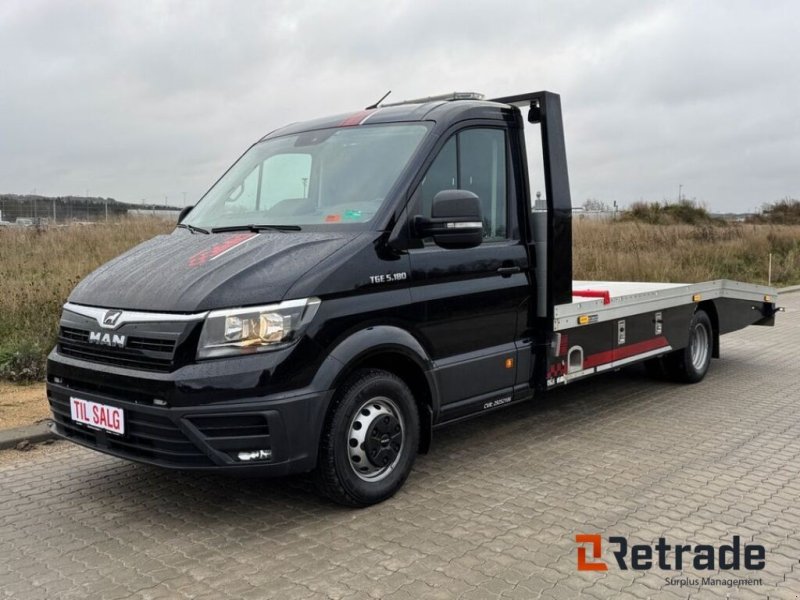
(596, 544)
(734, 556)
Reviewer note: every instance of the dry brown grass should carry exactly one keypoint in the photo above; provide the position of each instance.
(630, 251)
(38, 270)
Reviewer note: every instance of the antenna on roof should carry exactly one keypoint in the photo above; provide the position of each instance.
(371, 106)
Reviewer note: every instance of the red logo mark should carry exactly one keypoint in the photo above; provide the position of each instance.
(216, 250)
(597, 551)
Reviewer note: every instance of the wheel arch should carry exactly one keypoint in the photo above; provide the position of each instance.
(392, 349)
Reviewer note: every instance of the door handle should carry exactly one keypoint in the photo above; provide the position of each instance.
(508, 271)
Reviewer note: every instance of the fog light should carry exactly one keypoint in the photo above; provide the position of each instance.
(254, 455)
(58, 380)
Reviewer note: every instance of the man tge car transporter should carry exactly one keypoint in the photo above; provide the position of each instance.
(352, 283)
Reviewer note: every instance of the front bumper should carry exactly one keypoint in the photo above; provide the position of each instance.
(207, 437)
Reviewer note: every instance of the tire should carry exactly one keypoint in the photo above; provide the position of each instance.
(370, 439)
(691, 364)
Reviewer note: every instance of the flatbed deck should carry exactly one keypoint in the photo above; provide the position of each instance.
(627, 298)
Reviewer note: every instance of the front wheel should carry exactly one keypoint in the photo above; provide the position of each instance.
(370, 440)
(691, 364)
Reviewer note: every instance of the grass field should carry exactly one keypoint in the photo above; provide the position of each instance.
(37, 272)
(633, 251)
(38, 269)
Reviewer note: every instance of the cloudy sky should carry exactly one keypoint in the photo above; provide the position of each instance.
(146, 100)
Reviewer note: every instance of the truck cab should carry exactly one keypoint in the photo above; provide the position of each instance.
(352, 283)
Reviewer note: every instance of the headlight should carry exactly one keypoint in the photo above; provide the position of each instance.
(255, 329)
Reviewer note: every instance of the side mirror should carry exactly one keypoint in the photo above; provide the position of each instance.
(455, 221)
(184, 211)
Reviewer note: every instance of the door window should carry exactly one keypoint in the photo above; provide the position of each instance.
(474, 160)
(442, 175)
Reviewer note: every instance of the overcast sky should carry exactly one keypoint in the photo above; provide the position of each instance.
(142, 100)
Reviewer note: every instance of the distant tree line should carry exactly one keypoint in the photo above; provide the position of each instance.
(782, 212)
(691, 212)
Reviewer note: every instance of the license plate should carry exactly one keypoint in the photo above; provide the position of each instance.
(101, 416)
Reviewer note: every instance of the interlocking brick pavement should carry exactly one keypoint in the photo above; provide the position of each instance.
(492, 512)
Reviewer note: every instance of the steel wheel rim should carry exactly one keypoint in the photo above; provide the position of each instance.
(699, 346)
(375, 439)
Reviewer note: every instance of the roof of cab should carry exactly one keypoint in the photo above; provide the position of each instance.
(439, 111)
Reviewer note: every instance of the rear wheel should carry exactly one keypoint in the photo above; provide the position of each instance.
(370, 440)
(691, 364)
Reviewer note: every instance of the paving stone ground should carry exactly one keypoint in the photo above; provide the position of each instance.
(492, 512)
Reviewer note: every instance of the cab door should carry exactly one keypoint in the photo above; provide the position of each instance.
(469, 300)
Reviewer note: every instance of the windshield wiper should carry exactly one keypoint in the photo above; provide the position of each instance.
(255, 228)
(192, 228)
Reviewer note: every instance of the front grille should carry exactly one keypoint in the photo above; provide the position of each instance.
(151, 344)
(154, 354)
(148, 436)
(78, 335)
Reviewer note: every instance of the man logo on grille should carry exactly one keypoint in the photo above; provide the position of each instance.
(111, 317)
(106, 339)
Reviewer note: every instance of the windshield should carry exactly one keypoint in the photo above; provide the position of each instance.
(324, 177)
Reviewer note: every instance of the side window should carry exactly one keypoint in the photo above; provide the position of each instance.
(442, 175)
(482, 170)
(474, 160)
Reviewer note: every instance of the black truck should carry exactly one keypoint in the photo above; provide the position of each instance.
(352, 283)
